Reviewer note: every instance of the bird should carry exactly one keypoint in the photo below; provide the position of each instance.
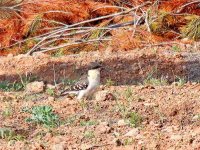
(87, 85)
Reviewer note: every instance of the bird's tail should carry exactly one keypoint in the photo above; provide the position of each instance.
(63, 93)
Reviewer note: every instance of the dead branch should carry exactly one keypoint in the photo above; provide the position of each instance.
(187, 4)
(67, 28)
(46, 49)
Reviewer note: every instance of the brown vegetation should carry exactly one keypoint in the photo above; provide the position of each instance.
(158, 22)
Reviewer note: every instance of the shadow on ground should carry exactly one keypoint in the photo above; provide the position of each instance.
(123, 70)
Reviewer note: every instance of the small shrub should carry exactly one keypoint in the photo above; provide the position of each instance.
(155, 81)
(7, 112)
(135, 119)
(176, 48)
(43, 115)
(88, 123)
(50, 92)
(128, 94)
(8, 134)
(128, 141)
(7, 87)
(70, 120)
(109, 82)
(122, 109)
(180, 81)
(89, 134)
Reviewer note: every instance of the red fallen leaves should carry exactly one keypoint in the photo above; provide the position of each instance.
(35, 18)
(68, 12)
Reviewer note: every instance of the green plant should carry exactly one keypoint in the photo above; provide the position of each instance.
(83, 104)
(7, 112)
(88, 123)
(150, 80)
(59, 53)
(50, 92)
(109, 82)
(180, 81)
(8, 134)
(128, 93)
(128, 141)
(97, 107)
(89, 134)
(43, 115)
(70, 120)
(155, 82)
(122, 109)
(135, 119)
(176, 48)
(7, 87)
(16, 86)
(26, 79)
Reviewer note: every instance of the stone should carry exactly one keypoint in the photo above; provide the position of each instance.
(35, 87)
(132, 132)
(196, 117)
(122, 122)
(101, 95)
(103, 128)
(86, 146)
(50, 86)
(50, 98)
(176, 137)
(58, 147)
(10, 55)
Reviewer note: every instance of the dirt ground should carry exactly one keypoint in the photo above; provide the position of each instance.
(165, 117)
(168, 120)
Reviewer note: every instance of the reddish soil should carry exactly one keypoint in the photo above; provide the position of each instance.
(167, 120)
(122, 67)
(170, 113)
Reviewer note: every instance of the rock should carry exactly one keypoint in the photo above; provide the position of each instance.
(170, 129)
(50, 86)
(85, 146)
(58, 147)
(117, 142)
(104, 95)
(40, 55)
(103, 128)
(116, 134)
(140, 142)
(50, 98)
(139, 136)
(133, 132)
(150, 105)
(10, 55)
(122, 122)
(176, 137)
(196, 117)
(195, 131)
(35, 87)
(101, 95)
(104, 123)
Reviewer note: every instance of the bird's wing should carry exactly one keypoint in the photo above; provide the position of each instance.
(82, 84)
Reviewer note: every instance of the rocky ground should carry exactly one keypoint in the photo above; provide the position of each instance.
(144, 103)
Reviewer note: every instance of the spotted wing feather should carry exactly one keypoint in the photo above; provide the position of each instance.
(80, 85)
